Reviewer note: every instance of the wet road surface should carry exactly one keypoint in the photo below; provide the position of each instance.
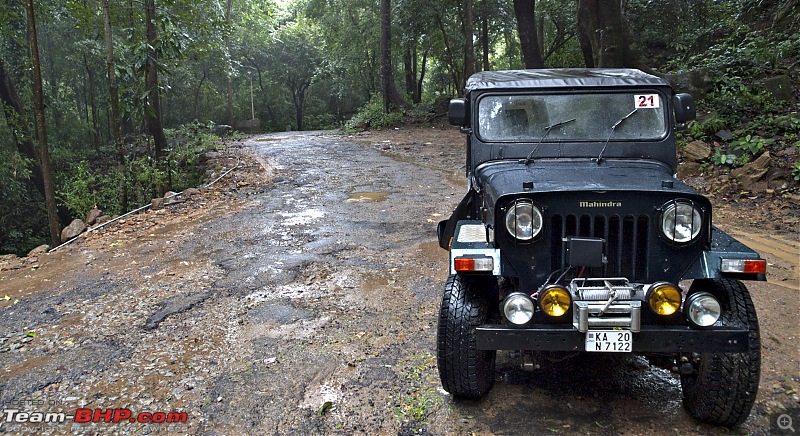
(310, 308)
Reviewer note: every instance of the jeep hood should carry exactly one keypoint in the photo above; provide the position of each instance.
(511, 177)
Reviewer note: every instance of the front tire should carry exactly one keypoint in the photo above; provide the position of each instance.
(723, 387)
(465, 371)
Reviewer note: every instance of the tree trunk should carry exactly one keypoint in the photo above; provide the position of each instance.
(229, 76)
(602, 25)
(410, 70)
(299, 99)
(525, 11)
(391, 98)
(449, 58)
(422, 75)
(153, 103)
(485, 43)
(197, 93)
(92, 103)
(469, 46)
(41, 130)
(584, 31)
(116, 123)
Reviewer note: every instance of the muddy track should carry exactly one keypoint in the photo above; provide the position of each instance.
(308, 306)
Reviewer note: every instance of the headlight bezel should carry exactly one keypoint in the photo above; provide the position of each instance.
(554, 296)
(664, 299)
(518, 299)
(521, 208)
(673, 214)
(690, 308)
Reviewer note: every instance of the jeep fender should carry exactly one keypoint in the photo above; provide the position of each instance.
(723, 246)
(447, 228)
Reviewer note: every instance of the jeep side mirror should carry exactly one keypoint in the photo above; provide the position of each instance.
(457, 112)
(685, 110)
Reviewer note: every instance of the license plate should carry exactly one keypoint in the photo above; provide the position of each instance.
(609, 341)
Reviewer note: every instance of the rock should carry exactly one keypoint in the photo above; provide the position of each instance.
(91, 217)
(169, 197)
(222, 129)
(189, 192)
(724, 135)
(697, 82)
(696, 151)
(42, 249)
(75, 228)
(753, 175)
(156, 203)
(7, 261)
(103, 219)
(688, 169)
(211, 155)
(780, 87)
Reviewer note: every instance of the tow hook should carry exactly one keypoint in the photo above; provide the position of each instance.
(686, 366)
(612, 295)
(528, 363)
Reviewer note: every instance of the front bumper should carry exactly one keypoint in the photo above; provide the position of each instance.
(650, 339)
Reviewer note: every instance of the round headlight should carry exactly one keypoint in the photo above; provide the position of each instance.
(680, 221)
(554, 300)
(523, 220)
(664, 298)
(518, 308)
(702, 309)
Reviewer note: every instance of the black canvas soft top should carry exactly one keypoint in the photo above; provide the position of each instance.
(562, 78)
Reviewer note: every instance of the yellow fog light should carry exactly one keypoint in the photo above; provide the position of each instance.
(664, 298)
(554, 300)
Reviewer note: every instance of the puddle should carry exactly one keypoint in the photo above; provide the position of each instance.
(272, 138)
(301, 218)
(367, 197)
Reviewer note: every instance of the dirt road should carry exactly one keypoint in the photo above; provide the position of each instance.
(307, 305)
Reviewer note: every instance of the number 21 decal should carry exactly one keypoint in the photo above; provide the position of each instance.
(648, 101)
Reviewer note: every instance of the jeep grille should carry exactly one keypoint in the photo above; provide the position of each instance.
(626, 244)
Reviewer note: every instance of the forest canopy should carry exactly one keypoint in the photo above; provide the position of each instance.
(108, 103)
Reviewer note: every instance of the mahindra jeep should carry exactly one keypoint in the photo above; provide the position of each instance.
(576, 236)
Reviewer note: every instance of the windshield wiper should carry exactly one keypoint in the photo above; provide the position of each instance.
(547, 130)
(600, 157)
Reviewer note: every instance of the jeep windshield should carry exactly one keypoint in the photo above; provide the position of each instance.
(526, 118)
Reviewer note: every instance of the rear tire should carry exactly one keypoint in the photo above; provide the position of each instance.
(723, 387)
(465, 371)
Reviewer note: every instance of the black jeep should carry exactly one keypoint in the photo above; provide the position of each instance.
(575, 235)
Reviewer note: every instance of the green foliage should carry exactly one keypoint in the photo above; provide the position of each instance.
(754, 145)
(21, 208)
(371, 116)
(720, 157)
(704, 128)
(796, 171)
(79, 192)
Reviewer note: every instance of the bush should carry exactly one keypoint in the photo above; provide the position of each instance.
(371, 116)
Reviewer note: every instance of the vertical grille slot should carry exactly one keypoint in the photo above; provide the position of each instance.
(625, 249)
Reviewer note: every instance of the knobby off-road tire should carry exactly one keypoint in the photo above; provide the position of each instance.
(465, 371)
(723, 388)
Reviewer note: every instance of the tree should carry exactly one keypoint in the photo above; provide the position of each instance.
(296, 57)
(525, 11)
(41, 130)
(113, 90)
(469, 34)
(152, 111)
(601, 30)
(391, 98)
(229, 75)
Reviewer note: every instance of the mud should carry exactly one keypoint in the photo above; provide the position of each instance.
(308, 306)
